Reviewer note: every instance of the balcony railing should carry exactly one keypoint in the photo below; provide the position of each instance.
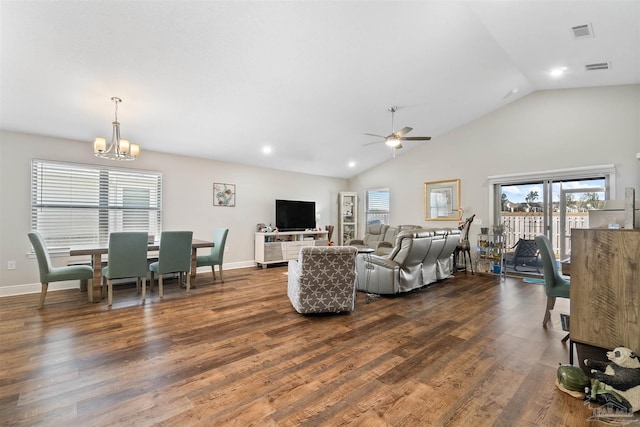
(527, 225)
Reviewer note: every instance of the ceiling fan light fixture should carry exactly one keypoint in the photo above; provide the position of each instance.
(392, 142)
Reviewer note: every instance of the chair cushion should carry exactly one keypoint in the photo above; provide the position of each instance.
(74, 272)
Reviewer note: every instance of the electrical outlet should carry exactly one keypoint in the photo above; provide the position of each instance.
(11, 265)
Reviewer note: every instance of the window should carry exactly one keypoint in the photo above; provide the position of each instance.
(75, 204)
(377, 207)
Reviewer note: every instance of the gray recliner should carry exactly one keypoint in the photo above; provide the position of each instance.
(445, 261)
(402, 270)
(386, 245)
(373, 235)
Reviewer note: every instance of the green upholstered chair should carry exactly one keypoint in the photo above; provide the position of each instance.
(49, 274)
(174, 257)
(554, 285)
(127, 258)
(217, 253)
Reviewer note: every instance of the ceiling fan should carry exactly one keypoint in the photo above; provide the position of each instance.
(394, 139)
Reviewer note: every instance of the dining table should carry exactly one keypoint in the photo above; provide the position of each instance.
(96, 250)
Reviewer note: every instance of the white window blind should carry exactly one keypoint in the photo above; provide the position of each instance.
(377, 207)
(75, 204)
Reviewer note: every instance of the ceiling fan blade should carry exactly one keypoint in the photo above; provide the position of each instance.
(373, 134)
(415, 138)
(403, 131)
(374, 142)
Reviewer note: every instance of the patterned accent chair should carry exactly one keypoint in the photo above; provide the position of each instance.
(323, 279)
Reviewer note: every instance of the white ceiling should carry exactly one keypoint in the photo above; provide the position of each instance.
(220, 80)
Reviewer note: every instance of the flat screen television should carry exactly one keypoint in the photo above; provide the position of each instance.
(295, 215)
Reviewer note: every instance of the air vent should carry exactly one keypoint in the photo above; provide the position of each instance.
(597, 66)
(582, 31)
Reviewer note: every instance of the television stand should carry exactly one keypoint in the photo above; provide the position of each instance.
(282, 246)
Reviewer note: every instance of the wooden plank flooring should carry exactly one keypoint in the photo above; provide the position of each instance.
(468, 351)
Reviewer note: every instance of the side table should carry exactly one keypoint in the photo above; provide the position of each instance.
(366, 253)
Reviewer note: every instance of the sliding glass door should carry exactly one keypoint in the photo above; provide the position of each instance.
(549, 203)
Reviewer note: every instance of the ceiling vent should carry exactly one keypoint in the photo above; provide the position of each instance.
(597, 66)
(582, 31)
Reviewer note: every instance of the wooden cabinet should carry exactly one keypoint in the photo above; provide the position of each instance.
(605, 288)
(272, 248)
(348, 216)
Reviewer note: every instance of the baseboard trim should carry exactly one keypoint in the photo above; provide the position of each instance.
(36, 288)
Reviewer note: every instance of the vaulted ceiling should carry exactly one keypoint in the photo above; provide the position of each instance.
(223, 79)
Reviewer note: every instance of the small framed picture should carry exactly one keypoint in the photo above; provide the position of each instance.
(224, 194)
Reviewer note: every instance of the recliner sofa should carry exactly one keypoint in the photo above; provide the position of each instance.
(412, 263)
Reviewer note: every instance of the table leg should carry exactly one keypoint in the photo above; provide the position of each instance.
(96, 261)
(194, 262)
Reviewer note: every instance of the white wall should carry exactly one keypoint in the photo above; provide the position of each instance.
(543, 131)
(187, 203)
(546, 130)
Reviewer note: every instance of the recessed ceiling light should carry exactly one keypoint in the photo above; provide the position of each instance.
(266, 150)
(557, 72)
(352, 164)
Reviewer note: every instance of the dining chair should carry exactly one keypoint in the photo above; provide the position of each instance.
(49, 273)
(174, 257)
(127, 257)
(217, 253)
(554, 285)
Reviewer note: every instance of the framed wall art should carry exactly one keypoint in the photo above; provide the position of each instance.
(224, 194)
(442, 200)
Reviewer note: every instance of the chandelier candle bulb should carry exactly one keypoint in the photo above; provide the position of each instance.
(124, 146)
(99, 145)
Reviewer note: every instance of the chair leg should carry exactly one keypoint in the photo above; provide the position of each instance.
(43, 294)
(188, 280)
(151, 282)
(160, 285)
(213, 271)
(220, 271)
(144, 287)
(551, 302)
(110, 291)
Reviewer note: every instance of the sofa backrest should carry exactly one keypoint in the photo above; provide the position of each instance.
(314, 259)
(410, 247)
(391, 234)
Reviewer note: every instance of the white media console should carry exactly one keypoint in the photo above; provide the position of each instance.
(282, 246)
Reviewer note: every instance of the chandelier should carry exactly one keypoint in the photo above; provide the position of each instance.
(118, 149)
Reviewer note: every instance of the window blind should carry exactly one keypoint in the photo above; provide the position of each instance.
(76, 204)
(377, 207)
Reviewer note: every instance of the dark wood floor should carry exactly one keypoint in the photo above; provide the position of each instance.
(469, 351)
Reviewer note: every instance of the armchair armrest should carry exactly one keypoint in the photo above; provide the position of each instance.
(381, 261)
(384, 245)
(355, 242)
(384, 249)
